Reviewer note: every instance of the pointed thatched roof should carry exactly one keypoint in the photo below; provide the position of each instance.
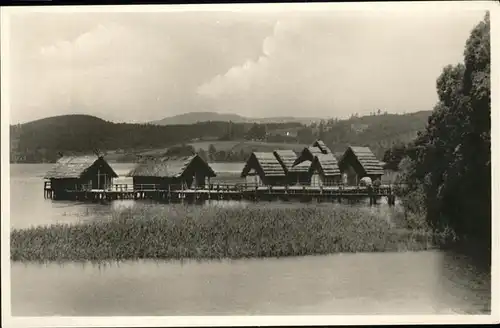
(301, 167)
(322, 147)
(286, 157)
(326, 164)
(74, 167)
(367, 160)
(265, 162)
(170, 167)
(307, 154)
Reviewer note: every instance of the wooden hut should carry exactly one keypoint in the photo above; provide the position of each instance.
(299, 174)
(171, 173)
(308, 153)
(72, 173)
(324, 171)
(321, 145)
(285, 157)
(263, 169)
(359, 162)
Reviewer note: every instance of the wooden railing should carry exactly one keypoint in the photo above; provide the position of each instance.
(239, 187)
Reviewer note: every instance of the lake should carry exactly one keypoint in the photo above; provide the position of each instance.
(430, 282)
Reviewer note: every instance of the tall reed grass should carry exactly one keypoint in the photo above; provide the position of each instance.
(215, 232)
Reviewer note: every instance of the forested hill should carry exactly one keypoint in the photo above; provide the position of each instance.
(43, 140)
(195, 117)
(377, 131)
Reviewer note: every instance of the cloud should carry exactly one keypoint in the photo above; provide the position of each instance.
(335, 67)
(131, 68)
(141, 67)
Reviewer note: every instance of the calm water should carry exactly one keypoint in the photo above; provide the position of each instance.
(375, 283)
(28, 207)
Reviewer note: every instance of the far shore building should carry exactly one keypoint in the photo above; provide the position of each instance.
(325, 171)
(264, 169)
(172, 173)
(360, 162)
(88, 172)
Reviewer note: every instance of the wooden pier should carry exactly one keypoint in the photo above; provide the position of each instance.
(224, 191)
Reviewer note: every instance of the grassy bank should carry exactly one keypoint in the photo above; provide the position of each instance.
(217, 232)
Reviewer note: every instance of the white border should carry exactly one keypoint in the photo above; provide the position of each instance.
(178, 321)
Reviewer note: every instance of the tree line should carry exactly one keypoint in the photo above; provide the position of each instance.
(447, 167)
(42, 140)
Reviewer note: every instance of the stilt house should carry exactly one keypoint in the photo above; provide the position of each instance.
(359, 162)
(308, 153)
(172, 173)
(324, 171)
(263, 169)
(71, 173)
(321, 145)
(286, 157)
(299, 174)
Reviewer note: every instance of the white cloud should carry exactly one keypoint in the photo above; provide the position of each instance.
(138, 67)
(335, 67)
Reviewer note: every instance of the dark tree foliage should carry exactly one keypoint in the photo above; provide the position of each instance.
(452, 158)
(394, 155)
(379, 132)
(211, 152)
(305, 135)
(256, 132)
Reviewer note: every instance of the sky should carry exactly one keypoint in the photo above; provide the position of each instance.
(144, 66)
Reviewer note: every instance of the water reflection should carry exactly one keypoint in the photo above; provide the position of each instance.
(375, 283)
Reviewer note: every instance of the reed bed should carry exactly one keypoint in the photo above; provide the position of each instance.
(214, 232)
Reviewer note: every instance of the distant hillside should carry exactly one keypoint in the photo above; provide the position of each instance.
(43, 140)
(379, 132)
(195, 117)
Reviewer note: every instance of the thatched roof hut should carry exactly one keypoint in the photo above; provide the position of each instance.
(172, 170)
(321, 145)
(364, 155)
(81, 172)
(326, 165)
(286, 157)
(172, 167)
(324, 170)
(75, 167)
(266, 162)
(301, 167)
(358, 162)
(263, 168)
(299, 174)
(307, 154)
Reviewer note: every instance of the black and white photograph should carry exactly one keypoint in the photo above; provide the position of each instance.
(249, 164)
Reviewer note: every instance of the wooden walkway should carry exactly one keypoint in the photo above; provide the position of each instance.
(226, 192)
